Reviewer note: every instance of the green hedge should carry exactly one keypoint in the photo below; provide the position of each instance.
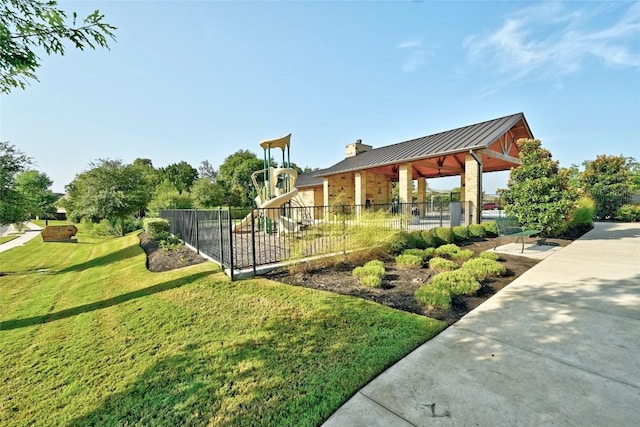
(156, 226)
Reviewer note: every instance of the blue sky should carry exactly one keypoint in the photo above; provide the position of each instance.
(198, 81)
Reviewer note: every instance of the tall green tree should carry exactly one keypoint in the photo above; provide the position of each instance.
(207, 194)
(12, 162)
(608, 181)
(235, 174)
(181, 175)
(165, 196)
(537, 193)
(108, 190)
(30, 25)
(35, 192)
(206, 170)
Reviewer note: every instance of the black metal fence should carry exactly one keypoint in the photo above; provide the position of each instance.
(271, 235)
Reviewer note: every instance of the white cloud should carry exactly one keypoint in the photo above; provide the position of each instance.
(417, 54)
(408, 44)
(547, 40)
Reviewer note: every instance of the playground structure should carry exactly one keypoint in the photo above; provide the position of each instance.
(275, 188)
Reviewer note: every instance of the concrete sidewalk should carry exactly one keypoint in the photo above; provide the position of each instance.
(559, 346)
(31, 232)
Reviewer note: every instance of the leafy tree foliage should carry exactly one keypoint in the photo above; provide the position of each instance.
(206, 170)
(207, 194)
(108, 190)
(181, 175)
(12, 162)
(608, 180)
(35, 193)
(26, 25)
(166, 196)
(235, 174)
(537, 193)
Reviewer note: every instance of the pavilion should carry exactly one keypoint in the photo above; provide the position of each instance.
(366, 174)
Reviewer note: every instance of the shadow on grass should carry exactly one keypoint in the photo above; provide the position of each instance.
(295, 370)
(85, 308)
(110, 258)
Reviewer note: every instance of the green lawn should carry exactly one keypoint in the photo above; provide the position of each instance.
(8, 238)
(88, 336)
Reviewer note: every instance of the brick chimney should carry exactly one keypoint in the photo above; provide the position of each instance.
(356, 148)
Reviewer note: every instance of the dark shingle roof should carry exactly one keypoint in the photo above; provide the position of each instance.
(471, 137)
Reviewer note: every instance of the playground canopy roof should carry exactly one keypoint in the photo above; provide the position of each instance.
(440, 154)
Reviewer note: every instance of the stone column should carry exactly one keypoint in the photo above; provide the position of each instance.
(360, 190)
(472, 189)
(406, 186)
(422, 193)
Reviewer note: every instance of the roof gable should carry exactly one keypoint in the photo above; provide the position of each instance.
(473, 137)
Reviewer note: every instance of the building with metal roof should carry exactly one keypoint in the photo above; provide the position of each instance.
(366, 174)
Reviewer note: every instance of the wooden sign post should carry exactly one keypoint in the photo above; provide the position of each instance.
(59, 233)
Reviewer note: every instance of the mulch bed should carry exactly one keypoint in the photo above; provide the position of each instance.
(399, 285)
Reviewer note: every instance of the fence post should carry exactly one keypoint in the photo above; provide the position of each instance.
(197, 232)
(253, 240)
(230, 245)
(441, 205)
(221, 237)
(344, 230)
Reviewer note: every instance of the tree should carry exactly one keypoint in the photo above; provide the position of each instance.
(180, 175)
(108, 190)
(206, 170)
(537, 194)
(26, 25)
(207, 194)
(235, 174)
(12, 162)
(35, 193)
(166, 196)
(608, 181)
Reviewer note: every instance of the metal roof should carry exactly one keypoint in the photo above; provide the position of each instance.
(310, 179)
(472, 137)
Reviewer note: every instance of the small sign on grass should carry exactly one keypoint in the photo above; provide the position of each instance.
(59, 233)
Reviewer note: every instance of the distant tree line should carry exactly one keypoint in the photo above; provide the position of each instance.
(539, 191)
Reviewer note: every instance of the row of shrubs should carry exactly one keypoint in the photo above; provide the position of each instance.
(439, 236)
(160, 231)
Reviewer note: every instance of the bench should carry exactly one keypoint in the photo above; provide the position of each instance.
(509, 227)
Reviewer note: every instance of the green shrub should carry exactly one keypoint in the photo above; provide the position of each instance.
(375, 263)
(417, 252)
(458, 282)
(418, 241)
(414, 261)
(433, 296)
(371, 281)
(447, 250)
(628, 213)
(372, 268)
(170, 243)
(398, 242)
(429, 238)
(429, 253)
(481, 268)
(462, 255)
(489, 255)
(584, 212)
(490, 228)
(442, 264)
(153, 226)
(460, 233)
(443, 235)
(476, 230)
